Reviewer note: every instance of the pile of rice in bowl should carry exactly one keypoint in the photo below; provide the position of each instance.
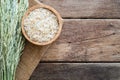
(41, 25)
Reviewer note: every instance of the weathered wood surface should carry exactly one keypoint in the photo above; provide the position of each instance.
(86, 8)
(77, 71)
(87, 40)
(30, 58)
(81, 40)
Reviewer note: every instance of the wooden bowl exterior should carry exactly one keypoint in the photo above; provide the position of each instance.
(60, 21)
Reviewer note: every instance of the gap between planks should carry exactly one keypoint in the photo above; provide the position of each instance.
(79, 62)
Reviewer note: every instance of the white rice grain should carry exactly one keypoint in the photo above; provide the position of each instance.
(41, 25)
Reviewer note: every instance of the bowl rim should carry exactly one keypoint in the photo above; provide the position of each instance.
(60, 22)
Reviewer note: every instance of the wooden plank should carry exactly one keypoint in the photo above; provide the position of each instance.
(77, 71)
(87, 40)
(86, 8)
(30, 58)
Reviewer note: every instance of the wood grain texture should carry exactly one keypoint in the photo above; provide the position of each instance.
(87, 40)
(86, 8)
(30, 58)
(77, 71)
(81, 40)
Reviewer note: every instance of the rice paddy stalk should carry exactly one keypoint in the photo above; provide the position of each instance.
(11, 39)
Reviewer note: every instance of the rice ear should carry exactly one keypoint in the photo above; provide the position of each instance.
(11, 39)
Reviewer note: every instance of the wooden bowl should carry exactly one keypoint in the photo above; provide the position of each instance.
(60, 22)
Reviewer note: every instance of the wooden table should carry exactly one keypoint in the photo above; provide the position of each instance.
(91, 33)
